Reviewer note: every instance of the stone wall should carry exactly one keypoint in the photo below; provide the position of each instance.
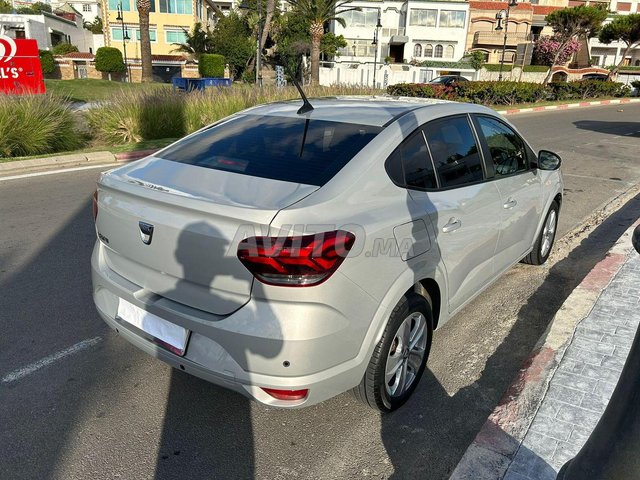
(68, 70)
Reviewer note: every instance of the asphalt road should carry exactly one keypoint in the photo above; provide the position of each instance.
(109, 411)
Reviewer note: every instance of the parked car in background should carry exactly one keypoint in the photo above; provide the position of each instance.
(595, 76)
(448, 80)
(293, 255)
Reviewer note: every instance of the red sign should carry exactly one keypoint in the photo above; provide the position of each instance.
(20, 70)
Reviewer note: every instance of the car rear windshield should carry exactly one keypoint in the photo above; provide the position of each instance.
(281, 148)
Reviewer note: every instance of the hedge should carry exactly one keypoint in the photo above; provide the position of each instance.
(46, 61)
(211, 65)
(511, 93)
(495, 67)
(536, 68)
(109, 59)
(63, 48)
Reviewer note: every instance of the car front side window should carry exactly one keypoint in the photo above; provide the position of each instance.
(506, 148)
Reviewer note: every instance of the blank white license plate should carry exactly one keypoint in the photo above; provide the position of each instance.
(169, 335)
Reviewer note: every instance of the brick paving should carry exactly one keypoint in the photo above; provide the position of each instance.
(584, 381)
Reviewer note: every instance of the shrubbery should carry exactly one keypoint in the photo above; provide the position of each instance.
(109, 59)
(47, 62)
(511, 93)
(211, 65)
(36, 124)
(64, 48)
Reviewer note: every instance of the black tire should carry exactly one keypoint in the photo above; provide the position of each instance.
(537, 256)
(372, 390)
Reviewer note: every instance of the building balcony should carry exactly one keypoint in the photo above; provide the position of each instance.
(497, 38)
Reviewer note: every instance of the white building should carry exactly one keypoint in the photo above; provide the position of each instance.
(411, 30)
(90, 9)
(47, 29)
(604, 55)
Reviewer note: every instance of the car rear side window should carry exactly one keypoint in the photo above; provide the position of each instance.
(410, 165)
(296, 150)
(454, 151)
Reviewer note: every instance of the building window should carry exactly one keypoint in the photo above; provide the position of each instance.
(176, 6)
(175, 36)
(152, 35)
(358, 48)
(367, 17)
(126, 5)
(448, 51)
(86, 7)
(438, 52)
(428, 50)
(116, 33)
(422, 17)
(417, 50)
(637, 64)
(451, 19)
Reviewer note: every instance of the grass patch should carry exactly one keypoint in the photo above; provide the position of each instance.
(88, 90)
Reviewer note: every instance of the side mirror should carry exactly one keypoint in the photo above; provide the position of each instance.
(548, 160)
(636, 239)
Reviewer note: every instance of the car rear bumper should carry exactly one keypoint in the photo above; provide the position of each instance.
(271, 344)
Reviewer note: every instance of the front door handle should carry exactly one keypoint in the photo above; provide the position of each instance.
(454, 224)
(510, 203)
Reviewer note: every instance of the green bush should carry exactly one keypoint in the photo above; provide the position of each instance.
(109, 59)
(211, 65)
(495, 67)
(36, 124)
(63, 48)
(636, 84)
(511, 93)
(47, 62)
(536, 68)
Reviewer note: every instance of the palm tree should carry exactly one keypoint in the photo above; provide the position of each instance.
(318, 13)
(197, 41)
(144, 6)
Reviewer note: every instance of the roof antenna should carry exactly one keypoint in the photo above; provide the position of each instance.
(306, 106)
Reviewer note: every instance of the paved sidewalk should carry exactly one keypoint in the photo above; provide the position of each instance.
(555, 402)
(583, 383)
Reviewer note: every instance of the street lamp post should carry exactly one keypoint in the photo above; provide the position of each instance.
(245, 6)
(125, 37)
(500, 16)
(375, 44)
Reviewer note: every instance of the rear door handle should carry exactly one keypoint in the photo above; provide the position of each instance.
(510, 203)
(454, 224)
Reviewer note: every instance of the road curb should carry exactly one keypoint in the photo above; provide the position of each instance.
(492, 451)
(20, 166)
(130, 156)
(565, 106)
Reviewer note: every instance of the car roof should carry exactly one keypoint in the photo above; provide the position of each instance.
(365, 110)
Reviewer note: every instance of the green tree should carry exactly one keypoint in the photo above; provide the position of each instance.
(211, 65)
(568, 24)
(232, 39)
(63, 48)
(109, 60)
(331, 43)
(317, 13)
(623, 28)
(35, 9)
(144, 7)
(5, 7)
(475, 59)
(95, 27)
(199, 41)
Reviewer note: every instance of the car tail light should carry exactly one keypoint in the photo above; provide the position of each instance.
(95, 205)
(287, 394)
(300, 261)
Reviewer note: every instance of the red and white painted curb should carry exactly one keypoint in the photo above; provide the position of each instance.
(491, 452)
(566, 106)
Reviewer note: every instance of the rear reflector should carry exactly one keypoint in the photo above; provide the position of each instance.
(287, 394)
(300, 261)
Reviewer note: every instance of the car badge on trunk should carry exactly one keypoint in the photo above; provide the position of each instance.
(146, 232)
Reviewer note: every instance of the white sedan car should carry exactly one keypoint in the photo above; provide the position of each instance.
(294, 254)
